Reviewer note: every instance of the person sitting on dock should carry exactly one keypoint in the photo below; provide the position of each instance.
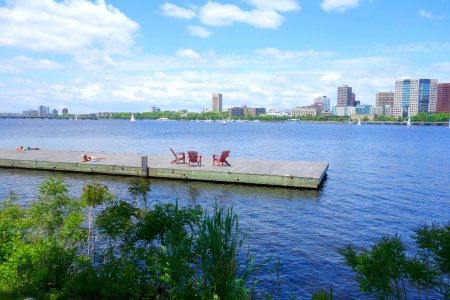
(85, 157)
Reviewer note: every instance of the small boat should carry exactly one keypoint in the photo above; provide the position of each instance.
(408, 123)
(132, 118)
(359, 122)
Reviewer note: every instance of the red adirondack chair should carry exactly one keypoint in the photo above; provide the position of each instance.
(219, 160)
(179, 157)
(193, 157)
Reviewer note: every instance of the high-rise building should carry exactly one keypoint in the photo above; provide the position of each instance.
(413, 96)
(217, 102)
(43, 111)
(344, 96)
(385, 98)
(325, 102)
(65, 111)
(443, 98)
(54, 112)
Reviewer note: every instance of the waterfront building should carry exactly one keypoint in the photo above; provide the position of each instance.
(443, 98)
(255, 111)
(344, 111)
(54, 112)
(353, 102)
(43, 111)
(384, 98)
(325, 102)
(236, 111)
(305, 111)
(156, 109)
(344, 96)
(413, 96)
(381, 110)
(217, 102)
(30, 113)
(364, 109)
(65, 111)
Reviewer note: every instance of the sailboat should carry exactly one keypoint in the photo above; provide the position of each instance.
(132, 118)
(408, 123)
(359, 122)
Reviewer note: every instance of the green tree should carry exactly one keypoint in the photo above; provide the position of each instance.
(380, 270)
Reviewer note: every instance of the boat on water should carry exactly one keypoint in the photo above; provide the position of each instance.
(408, 123)
(132, 118)
(359, 122)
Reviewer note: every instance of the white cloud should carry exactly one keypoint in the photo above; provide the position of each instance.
(188, 53)
(330, 77)
(199, 31)
(278, 5)
(23, 63)
(287, 55)
(338, 5)
(172, 10)
(44, 26)
(429, 15)
(265, 13)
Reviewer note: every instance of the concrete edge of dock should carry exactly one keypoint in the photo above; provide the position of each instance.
(170, 172)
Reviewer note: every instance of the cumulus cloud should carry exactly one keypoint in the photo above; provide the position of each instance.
(172, 10)
(199, 31)
(265, 14)
(44, 25)
(338, 5)
(23, 63)
(188, 53)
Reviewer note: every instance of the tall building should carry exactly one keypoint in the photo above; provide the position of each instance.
(43, 111)
(217, 102)
(325, 102)
(443, 98)
(413, 96)
(344, 96)
(65, 111)
(385, 98)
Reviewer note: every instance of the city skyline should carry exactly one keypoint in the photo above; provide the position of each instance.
(175, 54)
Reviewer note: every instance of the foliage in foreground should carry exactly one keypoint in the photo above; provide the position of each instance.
(387, 272)
(101, 247)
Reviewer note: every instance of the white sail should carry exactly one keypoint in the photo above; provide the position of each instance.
(359, 121)
(132, 118)
(408, 123)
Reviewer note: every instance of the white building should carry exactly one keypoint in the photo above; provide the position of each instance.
(413, 96)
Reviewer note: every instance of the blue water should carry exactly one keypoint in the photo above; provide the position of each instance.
(381, 180)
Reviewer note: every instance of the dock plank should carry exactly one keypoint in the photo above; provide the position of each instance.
(300, 174)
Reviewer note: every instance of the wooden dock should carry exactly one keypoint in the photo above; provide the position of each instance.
(298, 174)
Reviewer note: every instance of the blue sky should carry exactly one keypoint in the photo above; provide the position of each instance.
(93, 56)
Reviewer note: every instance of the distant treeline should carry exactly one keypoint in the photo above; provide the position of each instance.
(421, 117)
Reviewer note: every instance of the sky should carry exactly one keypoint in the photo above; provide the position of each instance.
(110, 56)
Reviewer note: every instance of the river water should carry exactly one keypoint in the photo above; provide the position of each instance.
(382, 179)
